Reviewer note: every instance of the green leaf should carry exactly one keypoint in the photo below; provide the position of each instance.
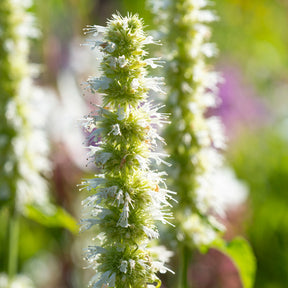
(51, 216)
(240, 252)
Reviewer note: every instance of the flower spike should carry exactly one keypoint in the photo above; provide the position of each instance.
(128, 197)
(191, 91)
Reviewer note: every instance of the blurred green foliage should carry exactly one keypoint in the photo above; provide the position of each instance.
(254, 34)
(261, 159)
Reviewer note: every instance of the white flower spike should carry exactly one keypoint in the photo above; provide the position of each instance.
(122, 207)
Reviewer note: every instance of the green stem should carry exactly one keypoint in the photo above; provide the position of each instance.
(13, 244)
(184, 264)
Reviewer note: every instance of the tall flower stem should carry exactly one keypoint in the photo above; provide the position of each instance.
(13, 235)
(184, 253)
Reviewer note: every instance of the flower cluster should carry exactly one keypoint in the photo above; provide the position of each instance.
(23, 147)
(128, 197)
(193, 140)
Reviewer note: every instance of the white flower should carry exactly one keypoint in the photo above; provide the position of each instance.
(227, 191)
(159, 266)
(158, 158)
(202, 30)
(208, 158)
(209, 49)
(93, 252)
(88, 223)
(122, 61)
(123, 220)
(161, 253)
(107, 279)
(115, 130)
(201, 233)
(95, 30)
(121, 114)
(160, 196)
(216, 223)
(205, 236)
(154, 62)
(151, 233)
(158, 7)
(113, 62)
(123, 266)
(209, 100)
(100, 212)
(89, 201)
(162, 215)
(185, 87)
(156, 117)
(135, 84)
(94, 135)
(215, 129)
(150, 40)
(119, 198)
(154, 84)
(128, 199)
(198, 4)
(206, 16)
(110, 192)
(92, 184)
(143, 162)
(110, 47)
(203, 137)
(187, 138)
(132, 264)
(100, 84)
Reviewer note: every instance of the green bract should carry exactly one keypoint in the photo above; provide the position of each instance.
(128, 196)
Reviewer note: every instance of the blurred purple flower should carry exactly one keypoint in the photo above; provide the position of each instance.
(241, 108)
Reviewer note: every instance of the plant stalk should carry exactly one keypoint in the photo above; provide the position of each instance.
(13, 243)
(184, 264)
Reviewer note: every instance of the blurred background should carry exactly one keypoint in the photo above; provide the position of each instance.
(252, 40)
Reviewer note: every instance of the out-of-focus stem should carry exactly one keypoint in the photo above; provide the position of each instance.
(184, 264)
(13, 243)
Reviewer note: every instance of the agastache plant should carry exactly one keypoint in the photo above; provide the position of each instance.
(193, 139)
(127, 197)
(23, 149)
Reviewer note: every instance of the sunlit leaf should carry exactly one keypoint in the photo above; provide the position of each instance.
(51, 216)
(240, 252)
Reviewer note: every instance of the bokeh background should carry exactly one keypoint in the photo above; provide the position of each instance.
(252, 39)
